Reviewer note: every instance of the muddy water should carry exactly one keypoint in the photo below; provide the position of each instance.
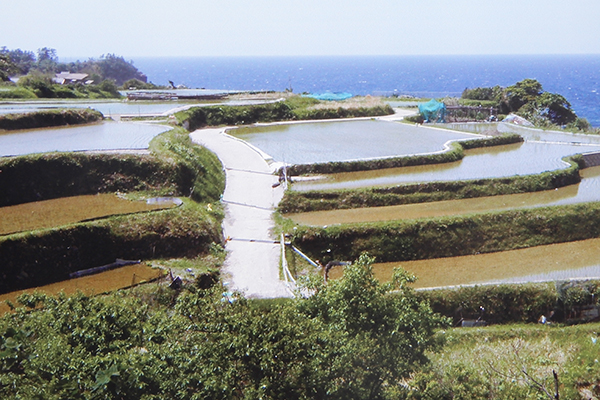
(543, 263)
(94, 284)
(587, 190)
(338, 141)
(68, 210)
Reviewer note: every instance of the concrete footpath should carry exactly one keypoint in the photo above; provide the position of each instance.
(252, 263)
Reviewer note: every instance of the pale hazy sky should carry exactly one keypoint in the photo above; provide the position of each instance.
(90, 28)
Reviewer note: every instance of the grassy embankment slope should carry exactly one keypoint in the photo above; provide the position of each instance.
(176, 168)
(49, 118)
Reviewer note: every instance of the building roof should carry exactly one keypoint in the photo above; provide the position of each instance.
(68, 77)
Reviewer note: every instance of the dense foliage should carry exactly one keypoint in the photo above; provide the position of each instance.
(504, 304)
(351, 339)
(527, 99)
(36, 72)
(108, 66)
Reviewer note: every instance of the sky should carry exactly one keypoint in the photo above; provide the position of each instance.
(150, 28)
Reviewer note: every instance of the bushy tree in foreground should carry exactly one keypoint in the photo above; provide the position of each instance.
(351, 339)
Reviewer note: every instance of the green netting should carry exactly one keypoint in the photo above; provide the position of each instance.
(433, 111)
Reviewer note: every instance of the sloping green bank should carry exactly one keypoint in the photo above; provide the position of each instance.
(41, 257)
(175, 168)
(455, 153)
(49, 118)
(288, 110)
(451, 236)
(296, 202)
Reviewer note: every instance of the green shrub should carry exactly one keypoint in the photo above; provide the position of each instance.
(16, 93)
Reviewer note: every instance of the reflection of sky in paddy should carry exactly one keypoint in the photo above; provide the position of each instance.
(116, 107)
(103, 136)
(501, 161)
(349, 140)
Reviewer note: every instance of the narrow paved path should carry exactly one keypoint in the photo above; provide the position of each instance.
(252, 263)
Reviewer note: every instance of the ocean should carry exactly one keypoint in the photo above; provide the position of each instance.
(576, 77)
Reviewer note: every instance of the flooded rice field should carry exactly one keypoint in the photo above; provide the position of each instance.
(108, 135)
(116, 107)
(103, 282)
(587, 190)
(492, 162)
(561, 261)
(68, 210)
(305, 143)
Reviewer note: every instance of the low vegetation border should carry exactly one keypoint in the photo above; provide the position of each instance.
(454, 153)
(296, 202)
(49, 118)
(559, 301)
(451, 236)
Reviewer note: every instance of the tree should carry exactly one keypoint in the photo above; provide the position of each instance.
(47, 60)
(115, 67)
(382, 331)
(521, 93)
(555, 108)
(24, 60)
(7, 67)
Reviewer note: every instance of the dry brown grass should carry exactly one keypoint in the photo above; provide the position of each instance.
(354, 102)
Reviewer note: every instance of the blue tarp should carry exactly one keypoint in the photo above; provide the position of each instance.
(330, 96)
(433, 111)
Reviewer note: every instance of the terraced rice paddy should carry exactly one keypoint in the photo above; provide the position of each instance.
(103, 282)
(68, 210)
(561, 261)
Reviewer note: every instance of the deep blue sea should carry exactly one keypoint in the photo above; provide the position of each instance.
(576, 77)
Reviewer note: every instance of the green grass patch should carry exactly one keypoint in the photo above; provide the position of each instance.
(10, 92)
(502, 362)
